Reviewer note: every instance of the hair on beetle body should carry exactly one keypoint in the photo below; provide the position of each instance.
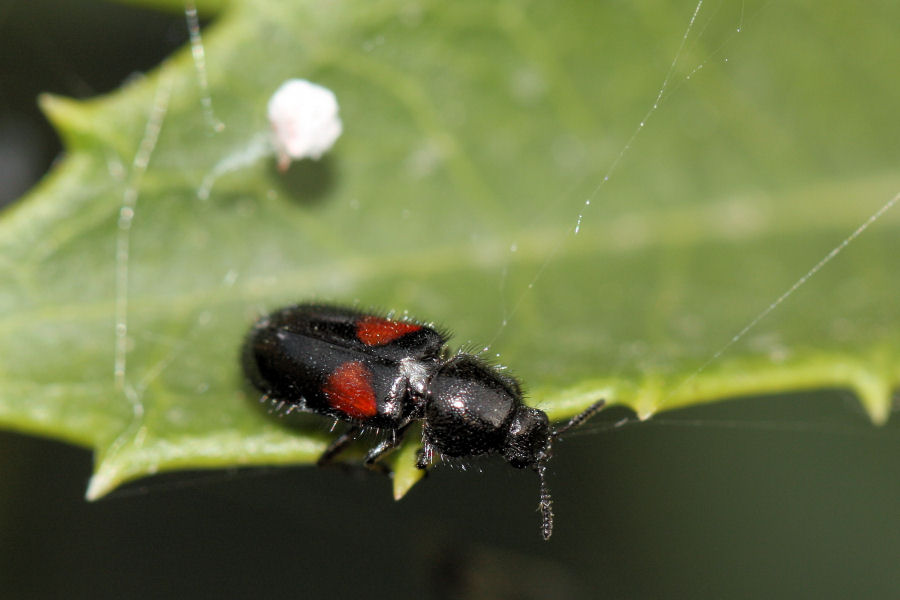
(376, 372)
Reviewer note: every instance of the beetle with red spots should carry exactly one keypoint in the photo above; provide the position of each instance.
(382, 373)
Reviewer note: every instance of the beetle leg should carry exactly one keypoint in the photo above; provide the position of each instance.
(338, 445)
(386, 446)
(424, 456)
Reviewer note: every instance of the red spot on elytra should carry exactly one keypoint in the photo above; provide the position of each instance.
(375, 331)
(349, 390)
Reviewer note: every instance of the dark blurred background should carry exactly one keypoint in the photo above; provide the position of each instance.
(782, 497)
(76, 49)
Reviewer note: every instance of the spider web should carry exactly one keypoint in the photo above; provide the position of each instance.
(700, 21)
(703, 44)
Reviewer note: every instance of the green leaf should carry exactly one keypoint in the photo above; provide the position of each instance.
(474, 134)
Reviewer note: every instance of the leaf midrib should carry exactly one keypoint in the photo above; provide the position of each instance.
(669, 229)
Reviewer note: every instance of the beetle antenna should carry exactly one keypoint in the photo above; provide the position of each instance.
(580, 418)
(546, 503)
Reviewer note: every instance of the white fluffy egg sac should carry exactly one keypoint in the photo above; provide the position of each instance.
(305, 121)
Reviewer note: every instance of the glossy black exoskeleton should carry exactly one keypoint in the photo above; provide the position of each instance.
(378, 372)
